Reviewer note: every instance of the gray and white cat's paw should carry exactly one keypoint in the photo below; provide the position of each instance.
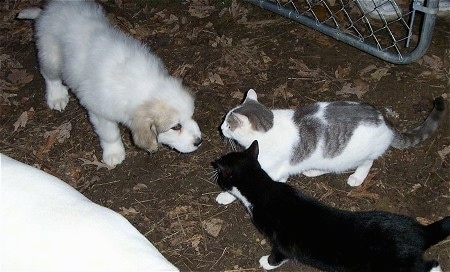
(313, 173)
(360, 174)
(354, 181)
(225, 198)
(264, 263)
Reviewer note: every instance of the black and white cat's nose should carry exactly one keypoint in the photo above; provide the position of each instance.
(198, 142)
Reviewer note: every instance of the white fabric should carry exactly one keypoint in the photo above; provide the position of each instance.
(48, 225)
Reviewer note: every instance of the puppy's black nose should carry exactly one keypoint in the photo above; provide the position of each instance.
(198, 142)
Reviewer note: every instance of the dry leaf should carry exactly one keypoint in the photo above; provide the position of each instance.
(363, 194)
(172, 19)
(341, 72)
(303, 70)
(51, 139)
(391, 113)
(281, 91)
(180, 210)
(262, 23)
(215, 78)
(266, 59)
(139, 186)
(367, 70)
(222, 41)
(182, 70)
(62, 132)
(444, 152)
(19, 77)
(127, 212)
(195, 241)
(95, 162)
(200, 10)
(236, 94)
(424, 221)
(234, 9)
(433, 61)
(213, 226)
(358, 87)
(4, 97)
(23, 119)
(374, 73)
(379, 73)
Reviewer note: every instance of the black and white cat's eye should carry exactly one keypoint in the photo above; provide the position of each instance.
(177, 127)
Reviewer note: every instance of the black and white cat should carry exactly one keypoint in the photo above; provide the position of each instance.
(305, 230)
(325, 137)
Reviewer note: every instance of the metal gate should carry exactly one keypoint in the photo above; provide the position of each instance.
(396, 32)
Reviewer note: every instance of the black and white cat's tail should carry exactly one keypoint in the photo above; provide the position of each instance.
(422, 132)
(437, 231)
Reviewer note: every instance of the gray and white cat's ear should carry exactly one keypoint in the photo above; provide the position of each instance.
(251, 94)
(240, 118)
(253, 150)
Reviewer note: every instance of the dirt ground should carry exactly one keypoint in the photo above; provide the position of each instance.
(221, 50)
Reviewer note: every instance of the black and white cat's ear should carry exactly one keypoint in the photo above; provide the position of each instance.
(251, 95)
(253, 150)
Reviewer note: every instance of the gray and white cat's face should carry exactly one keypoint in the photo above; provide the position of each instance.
(236, 126)
(245, 122)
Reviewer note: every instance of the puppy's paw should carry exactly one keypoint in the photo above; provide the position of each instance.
(113, 159)
(57, 95)
(113, 154)
(225, 198)
(58, 104)
(264, 263)
(354, 181)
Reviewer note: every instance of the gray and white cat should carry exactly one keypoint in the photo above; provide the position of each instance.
(325, 137)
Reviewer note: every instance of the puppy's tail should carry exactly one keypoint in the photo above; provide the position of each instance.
(29, 13)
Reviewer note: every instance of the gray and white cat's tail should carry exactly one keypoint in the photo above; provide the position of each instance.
(29, 13)
(422, 132)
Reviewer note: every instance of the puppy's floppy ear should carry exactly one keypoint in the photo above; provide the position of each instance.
(145, 134)
(148, 120)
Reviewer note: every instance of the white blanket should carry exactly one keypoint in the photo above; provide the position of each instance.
(47, 225)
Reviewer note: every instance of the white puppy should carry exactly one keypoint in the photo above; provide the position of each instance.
(115, 77)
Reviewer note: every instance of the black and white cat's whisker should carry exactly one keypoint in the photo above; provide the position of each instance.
(214, 175)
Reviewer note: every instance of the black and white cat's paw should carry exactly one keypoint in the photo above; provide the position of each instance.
(436, 269)
(225, 198)
(264, 263)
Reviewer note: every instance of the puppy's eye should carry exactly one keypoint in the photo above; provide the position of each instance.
(176, 127)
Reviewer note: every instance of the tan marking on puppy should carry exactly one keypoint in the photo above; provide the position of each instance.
(148, 120)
